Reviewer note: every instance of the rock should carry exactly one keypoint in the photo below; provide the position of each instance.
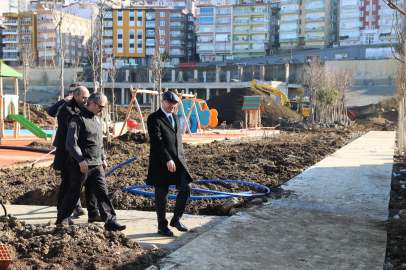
(230, 203)
(403, 265)
(388, 266)
(380, 110)
(233, 211)
(264, 199)
(233, 158)
(256, 201)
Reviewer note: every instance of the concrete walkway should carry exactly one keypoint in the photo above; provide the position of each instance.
(329, 217)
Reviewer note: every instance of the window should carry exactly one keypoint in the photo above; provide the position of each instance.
(373, 7)
(120, 34)
(161, 14)
(132, 18)
(161, 50)
(362, 3)
(132, 34)
(361, 14)
(367, 8)
(205, 10)
(366, 27)
(367, 18)
(205, 20)
(162, 32)
(162, 23)
(373, 27)
(139, 18)
(139, 50)
(120, 18)
(119, 47)
(373, 18)
(162, 41)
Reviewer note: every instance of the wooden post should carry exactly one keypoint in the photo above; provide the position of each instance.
(129, 111)
(16, 124)
(197, 115)
(246, 119)
(1, 110)
(138, 107)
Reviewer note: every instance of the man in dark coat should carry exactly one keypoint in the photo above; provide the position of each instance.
(80, 96)
(167, 165)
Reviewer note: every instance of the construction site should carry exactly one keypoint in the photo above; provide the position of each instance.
(270, 191)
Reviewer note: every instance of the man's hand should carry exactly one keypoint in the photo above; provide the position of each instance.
(83, 166)
(68, 99)
(171, 166)
(104, 165)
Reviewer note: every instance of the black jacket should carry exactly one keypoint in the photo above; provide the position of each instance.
(85, 138)
(65, 114)
(166, 144)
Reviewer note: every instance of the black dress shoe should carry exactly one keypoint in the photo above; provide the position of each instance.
(178, 225)
(165, 232)
(111, 227)
(66, 221)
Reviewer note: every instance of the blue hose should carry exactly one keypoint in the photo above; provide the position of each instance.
(120, 165)
(220, 194)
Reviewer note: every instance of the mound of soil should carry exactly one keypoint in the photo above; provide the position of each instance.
(86, 246)
(229, 106)
(283, 158)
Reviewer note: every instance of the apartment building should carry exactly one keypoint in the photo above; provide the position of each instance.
(236, 30)
(129, 35)
(19, 36)
(166, 28)
(366, 22)
(308, 23)
(75, 34)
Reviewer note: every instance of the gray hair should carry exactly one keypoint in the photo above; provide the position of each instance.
(95, 97)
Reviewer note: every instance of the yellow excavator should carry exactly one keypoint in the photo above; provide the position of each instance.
(281, 95)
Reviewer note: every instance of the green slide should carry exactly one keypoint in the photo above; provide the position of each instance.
(30, 126)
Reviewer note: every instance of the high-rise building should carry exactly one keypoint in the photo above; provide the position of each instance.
(366, 22)
(236, 31)
(74, 34)
(19, 36)
(308, 23)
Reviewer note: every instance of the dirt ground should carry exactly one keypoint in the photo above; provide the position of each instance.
(268, 161)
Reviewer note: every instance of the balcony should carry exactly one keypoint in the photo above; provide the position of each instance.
(258, 21)
(288, 21)
(11, 58)
(177, 19)
(288, 30)
(108, 36)
(350, 28)
(254, 50)
(150, 35)
(241, 41)
(348, 38)
(289, 2)
(46, 29)
(25, 31)
(25, 22)
(290, 11)
(45, 39)
(259, 30)
(259, 11)
(241, 22)
(46, 48)
(10, 32)
(318, 1)
(320, 19)
(44, 19)
(10, 40)
(383, 36)
(179, 36)
(314, 29)
(205, 41)
(11, 49)
(178, 55)
(240, 50)
(178, 27)
(351, 7)
(288, 40)
(177, 46)
(321, 9)
(11, 23)
(25, 40)
(314, 39)
(223, 14)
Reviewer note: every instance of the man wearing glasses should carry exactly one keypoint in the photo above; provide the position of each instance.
(88, 163)
(78, 98)
(167, 165)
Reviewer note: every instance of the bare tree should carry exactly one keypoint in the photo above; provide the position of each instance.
(113, 72)
(28, 56)
(59, 61)
(158, 61)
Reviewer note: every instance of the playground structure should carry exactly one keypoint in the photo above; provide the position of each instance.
(253, 107)
(199, 116)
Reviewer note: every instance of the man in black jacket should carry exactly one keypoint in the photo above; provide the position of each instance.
(88, 163)
(167, 165)
(80, 96)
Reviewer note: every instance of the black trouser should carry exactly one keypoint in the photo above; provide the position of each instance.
(97, 182)
(91, 201)
(161, 199)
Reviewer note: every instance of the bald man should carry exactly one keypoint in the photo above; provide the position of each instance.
(67, 111)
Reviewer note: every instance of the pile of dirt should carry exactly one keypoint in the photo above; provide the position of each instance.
(87, 246)
(283, 158)
(136, 137)
(41, 145)
(121, 112)
(229, 106)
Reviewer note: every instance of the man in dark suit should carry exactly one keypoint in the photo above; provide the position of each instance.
(167, 165)
(80, 96)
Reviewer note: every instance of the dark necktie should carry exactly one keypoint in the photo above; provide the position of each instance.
(172, 122)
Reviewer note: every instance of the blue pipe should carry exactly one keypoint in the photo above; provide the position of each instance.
(120, 165)
(220, 194)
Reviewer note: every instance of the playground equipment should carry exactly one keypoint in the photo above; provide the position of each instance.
(199, 114)
(6, 71)
(253, 107)
(284, 100)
